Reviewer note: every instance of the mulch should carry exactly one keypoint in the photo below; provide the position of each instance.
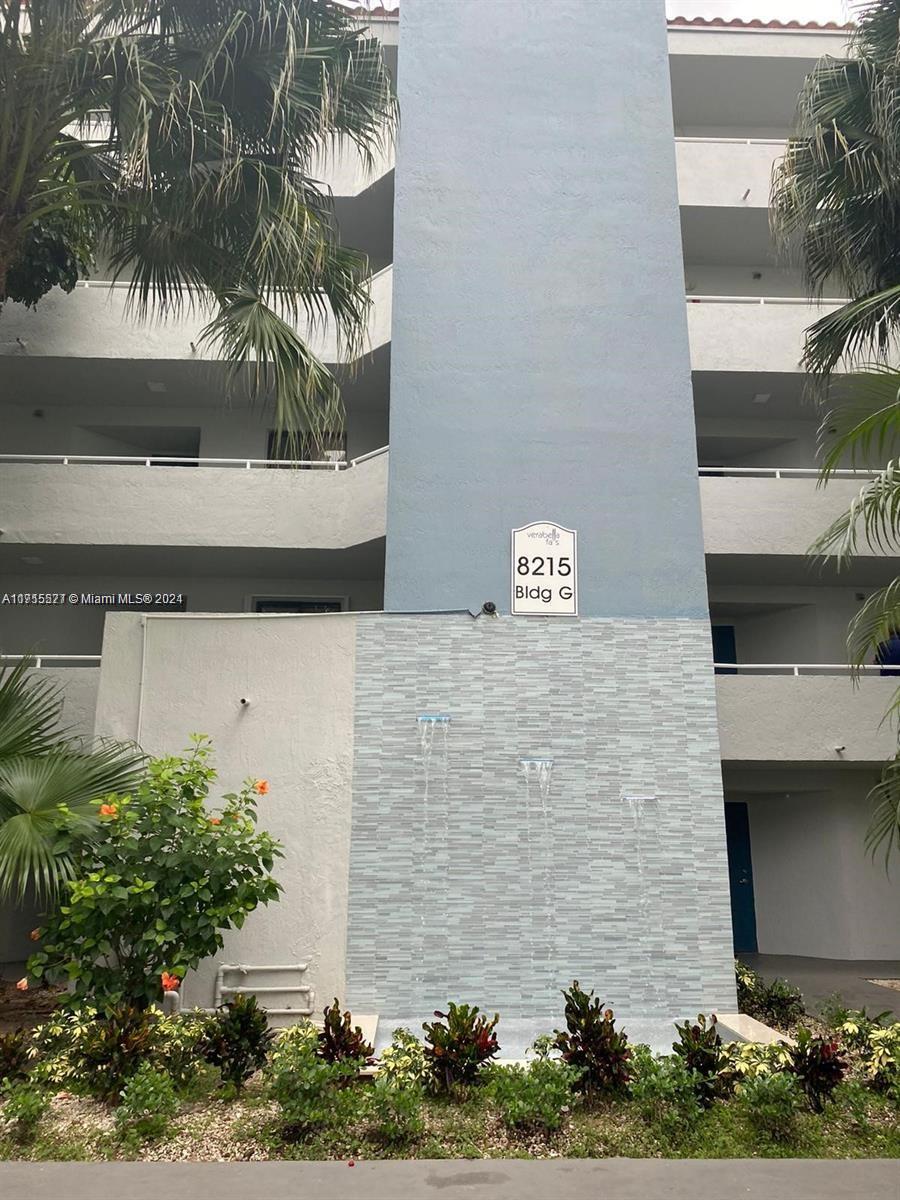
(21, 1010)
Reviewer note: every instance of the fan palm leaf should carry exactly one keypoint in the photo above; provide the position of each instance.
(48, 784)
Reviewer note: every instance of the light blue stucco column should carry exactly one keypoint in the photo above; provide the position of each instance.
(540, 372)
(540, 365)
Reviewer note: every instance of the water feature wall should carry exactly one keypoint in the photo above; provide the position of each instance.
(535, 802)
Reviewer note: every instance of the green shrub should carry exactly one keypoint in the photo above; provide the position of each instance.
(237, 1039)
(178, 1046)
(592, 1043)
(665, 1093)
(14, 1054)
(819, 1067)
(23, 1106)
(455, 1051)
(769, 1104)
(311, 1094)
(75, 1046)
(110, 1049)
(339, 1040)
(746, 1060)
(403, 1064)
(855, 1027)
(156, 886)
(536, 1097)
(881, 1057)
(395, 1113)
(304, 1033)
(775, 1003)
(148, 1104)
(700, 1048)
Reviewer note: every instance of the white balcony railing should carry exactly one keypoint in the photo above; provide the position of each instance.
(825, 302)
(804, 669)
(734, 141)
(344, 465)
(163, 460)
(54, 660)
(786, 472)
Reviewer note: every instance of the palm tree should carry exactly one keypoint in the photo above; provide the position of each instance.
(836, 191)
(176, 138)
(836, 203)
(48, 782)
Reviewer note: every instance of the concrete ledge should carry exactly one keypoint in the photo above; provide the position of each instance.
(748, 1029)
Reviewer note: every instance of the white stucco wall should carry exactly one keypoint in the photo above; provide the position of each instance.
(78, 688)
(718, 173)
(786, 718)
(296, 732)
(816, 890)
(748, 337)
(93, 322)
(109, 504)
(746, 515)
(762, 43)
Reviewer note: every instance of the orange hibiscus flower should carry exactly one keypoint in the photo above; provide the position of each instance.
(108, 810)
(262, 787)
(170, 983)
(22, 985)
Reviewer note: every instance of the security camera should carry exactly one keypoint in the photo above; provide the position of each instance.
(489, 608)
(839, 749)
(244, 700)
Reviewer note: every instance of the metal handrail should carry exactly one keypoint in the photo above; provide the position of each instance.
(166, 460)
(793, 669)
(788, 472)
(127, 283)
(40, 659)
(344, 465)
(717, 299)
(736, 141)
(797, 669)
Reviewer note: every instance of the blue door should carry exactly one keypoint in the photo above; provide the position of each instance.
(724, 648)
(740, 878)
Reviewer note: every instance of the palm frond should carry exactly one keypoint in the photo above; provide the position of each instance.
(252, 334)
(188, 131)
(883, 833)
(861, 424)
(873, 515)
(30, 707)
(40, 797)
(874, 624)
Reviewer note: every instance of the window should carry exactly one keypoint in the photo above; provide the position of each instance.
(296, 604)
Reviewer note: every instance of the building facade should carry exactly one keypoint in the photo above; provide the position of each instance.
(576, 320)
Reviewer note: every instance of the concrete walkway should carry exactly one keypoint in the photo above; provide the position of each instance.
(820, 978)
(496, 1179)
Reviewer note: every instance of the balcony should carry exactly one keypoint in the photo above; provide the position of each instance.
(731, 172)
(772, 510)
(93, 322)
(192, 502)
(750, 333)
(804, 714)
(79, 678)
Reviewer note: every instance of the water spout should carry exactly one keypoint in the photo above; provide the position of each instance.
(539, 771)
(433, 850)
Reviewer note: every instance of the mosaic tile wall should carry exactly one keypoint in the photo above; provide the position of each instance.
(474, 876)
